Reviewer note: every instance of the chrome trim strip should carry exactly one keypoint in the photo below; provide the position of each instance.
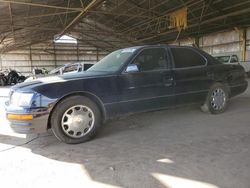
(237, 85)
(162, 96)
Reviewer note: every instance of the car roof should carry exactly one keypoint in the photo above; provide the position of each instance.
(161, 45)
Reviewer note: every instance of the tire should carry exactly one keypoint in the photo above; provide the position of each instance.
(217, 99)
(75, 120)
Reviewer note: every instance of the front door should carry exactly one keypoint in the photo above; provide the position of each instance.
(152, 87)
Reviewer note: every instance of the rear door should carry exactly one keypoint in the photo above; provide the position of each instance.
(150, 88)
(192, 78)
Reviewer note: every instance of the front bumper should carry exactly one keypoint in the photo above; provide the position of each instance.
(38, 124)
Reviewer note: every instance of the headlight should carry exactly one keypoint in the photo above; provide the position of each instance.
(21, 99)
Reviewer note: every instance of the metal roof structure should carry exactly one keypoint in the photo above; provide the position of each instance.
(112, 24)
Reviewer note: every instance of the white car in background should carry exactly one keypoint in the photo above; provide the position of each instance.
(69, 68)
(233, 59)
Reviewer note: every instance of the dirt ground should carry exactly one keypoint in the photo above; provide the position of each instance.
(179, 148)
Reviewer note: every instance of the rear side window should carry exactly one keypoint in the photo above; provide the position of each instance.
(151, 59)
(186, 57)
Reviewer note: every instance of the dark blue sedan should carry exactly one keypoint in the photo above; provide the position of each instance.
(126, 81)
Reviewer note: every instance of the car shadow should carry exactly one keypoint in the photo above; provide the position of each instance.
(158, 149)
(180, 144)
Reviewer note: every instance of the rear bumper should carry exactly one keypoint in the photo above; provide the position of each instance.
(238, 88)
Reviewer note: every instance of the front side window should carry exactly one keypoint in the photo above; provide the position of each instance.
(151, 59)
(186, 57)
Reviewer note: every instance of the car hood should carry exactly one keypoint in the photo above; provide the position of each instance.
(59, 78)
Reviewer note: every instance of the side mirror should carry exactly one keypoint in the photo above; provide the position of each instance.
(132, 68)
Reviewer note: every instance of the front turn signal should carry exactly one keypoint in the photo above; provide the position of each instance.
(19, 116)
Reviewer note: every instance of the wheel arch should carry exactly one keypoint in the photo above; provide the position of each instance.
(225, 84)
(91, 96)
(224, 78)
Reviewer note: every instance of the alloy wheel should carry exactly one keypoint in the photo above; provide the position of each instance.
(77, 121)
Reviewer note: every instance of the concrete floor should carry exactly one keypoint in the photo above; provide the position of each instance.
(173, 148)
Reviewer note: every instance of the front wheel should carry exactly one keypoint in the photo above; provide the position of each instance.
(217, 99)
(75, 120)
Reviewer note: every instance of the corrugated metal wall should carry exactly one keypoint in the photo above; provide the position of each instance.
(230, 42)
(222, 43)
(55, 55)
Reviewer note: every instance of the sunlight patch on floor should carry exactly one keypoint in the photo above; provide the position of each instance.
(177, 182)
(165, 160)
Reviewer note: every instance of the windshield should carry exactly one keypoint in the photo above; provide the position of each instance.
(56, 70)
(114, 61)
(223, 59)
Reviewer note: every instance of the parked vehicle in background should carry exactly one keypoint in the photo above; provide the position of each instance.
(65, 69)
(11, 77)
(15, 77)
(72, 68)
(233, 59)
(126, 81)
(226, 59)
(40, 71)
(37, 73)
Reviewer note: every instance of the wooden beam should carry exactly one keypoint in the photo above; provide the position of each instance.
(41, 5)
(40, 16)
(120, 14)
(84, 11)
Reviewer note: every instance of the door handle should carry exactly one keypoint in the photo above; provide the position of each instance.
(168, 81)
(168, 84)
(168, 78)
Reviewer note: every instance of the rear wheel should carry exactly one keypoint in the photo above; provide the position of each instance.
(217, 99)
(75, 120)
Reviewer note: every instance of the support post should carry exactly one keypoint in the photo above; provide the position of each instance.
(1, 66)
(31, 63)
(244, 44)
(77, 50)
(54, 49)
(197, 42)
(97, 55)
